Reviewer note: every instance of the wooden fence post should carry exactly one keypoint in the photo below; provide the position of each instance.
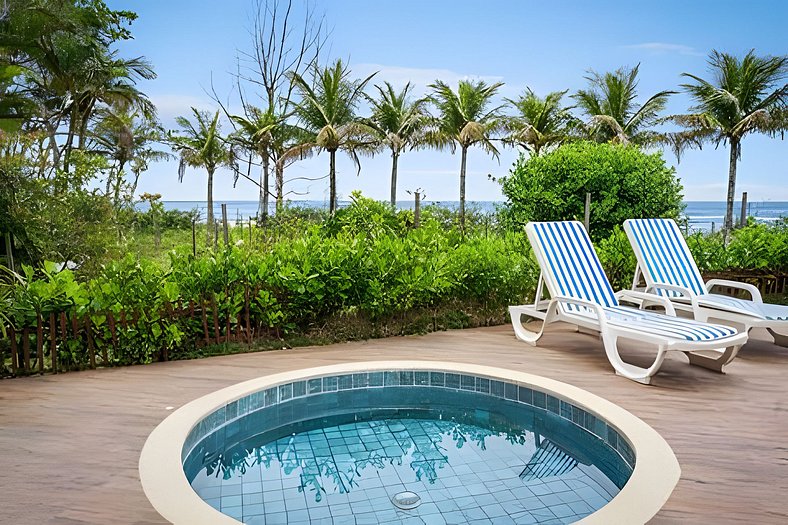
(14, 349)
(224, 224)
(53, 342)
(26, 349)
(416, 209)
(40, 342)
(743, 222)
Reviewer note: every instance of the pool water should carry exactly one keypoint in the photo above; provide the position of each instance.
(464, 466)
(405, 447)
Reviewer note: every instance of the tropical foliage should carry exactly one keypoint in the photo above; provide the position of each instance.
(610, 107)
(747, 95)
(398, 123)
(327, 110)
(540, 124)
(464, 118)
(624, 182)
(200, 144)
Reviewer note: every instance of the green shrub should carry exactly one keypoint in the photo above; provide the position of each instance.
(624, 183)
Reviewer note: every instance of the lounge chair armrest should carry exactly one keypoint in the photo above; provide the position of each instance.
(686, 292)
(754, 292)
(597, 308)
(647, 297)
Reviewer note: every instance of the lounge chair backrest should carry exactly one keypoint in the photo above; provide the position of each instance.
(663, 255)
(569, 263)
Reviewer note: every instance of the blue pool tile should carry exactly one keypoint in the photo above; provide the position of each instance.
(375, 379)
(437, 378)
(468, 382)
(391, 378)
(406, 377)
(540, 400)
(421, 378)
(299, 388)
(231, 410)
(330, 383)
(453, 381)
(285, 392)
(496, 388)
(271, 396)
(345, 382)
(510, 391)
(525, 395)
(483, 385)
(315, 386)
(360, 380)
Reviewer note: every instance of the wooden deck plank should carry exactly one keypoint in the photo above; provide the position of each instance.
(70, 443)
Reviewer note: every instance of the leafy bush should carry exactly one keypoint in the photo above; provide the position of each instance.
(757, 247)
(624, 183)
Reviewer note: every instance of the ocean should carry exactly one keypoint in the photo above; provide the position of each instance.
(702, 215)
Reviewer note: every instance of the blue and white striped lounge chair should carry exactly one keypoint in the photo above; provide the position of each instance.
(581, 295)
(669, 270)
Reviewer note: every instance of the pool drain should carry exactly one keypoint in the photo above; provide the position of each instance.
(406, 500)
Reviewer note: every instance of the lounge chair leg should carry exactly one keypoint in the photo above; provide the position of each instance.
(635, 373)
(779, 339)
(522, 333)
(713, 359)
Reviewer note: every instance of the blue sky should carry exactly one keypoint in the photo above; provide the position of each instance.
(547, 46)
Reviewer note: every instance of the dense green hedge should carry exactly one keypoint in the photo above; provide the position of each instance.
(624, 182)
(365, 262)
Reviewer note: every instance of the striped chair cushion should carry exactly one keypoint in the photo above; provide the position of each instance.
(666, 326)
(769, 312)
(572, 263)
(666, 258)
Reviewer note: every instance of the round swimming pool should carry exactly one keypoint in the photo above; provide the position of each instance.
(407, 442)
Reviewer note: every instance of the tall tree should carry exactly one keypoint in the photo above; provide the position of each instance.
(747, 95)
(465, 119)
(286, 37)
(64, 49)
(613, 114)
(540, 123)
(128, 138)
(327, 110)
(398, 122)
(200, 144)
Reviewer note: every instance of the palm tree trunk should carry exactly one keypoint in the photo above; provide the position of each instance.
(394, 158)
(263, 208)
(280, 185)
(209, 229)
(118, 182)
(332, 181)
(462, 186)
(731, 184)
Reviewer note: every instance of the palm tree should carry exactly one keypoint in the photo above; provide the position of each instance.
(613, 115)
(327, 110)
(111, 80)
(747, 95)
(464, 119)
(541, 122)
(397, 122)
(256, 134)
(201, 145)
(127, 137)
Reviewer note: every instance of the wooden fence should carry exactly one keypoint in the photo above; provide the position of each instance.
(36, 348)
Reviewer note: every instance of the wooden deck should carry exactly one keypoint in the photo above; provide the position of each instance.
(69, 444)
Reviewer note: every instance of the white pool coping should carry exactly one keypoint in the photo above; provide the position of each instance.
(165, 484)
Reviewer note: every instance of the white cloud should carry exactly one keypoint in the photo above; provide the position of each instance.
(662, 48)
(171, 106)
